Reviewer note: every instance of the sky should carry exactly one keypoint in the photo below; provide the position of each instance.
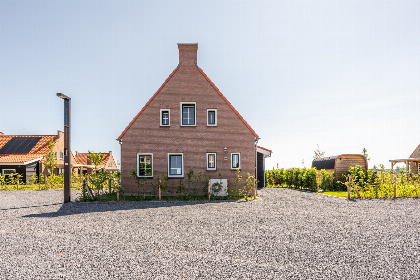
(344, 75)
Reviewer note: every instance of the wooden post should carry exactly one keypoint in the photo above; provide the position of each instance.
(118, 196)
(255, 188)
(348, 188)
(357, 191)
(160, 191)
(208, 190)
(395, 187)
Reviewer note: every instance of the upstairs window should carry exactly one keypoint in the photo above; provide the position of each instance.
(61, 155)
(145, 165)
(175, 165)
(235, 160)
(165, 117)
(188, 114)
(55, 155)
(211, 117)
(211, 161)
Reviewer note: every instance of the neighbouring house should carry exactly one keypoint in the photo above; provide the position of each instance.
(412, 163)
(188, 124)
(108, 163)
(340, 163)
(25, 154)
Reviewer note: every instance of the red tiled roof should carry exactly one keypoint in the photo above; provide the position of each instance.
(40, 148)
(265, 149)
(227, 101)
(38, 151)
(147, 104)
(82, 158)
(14, 158)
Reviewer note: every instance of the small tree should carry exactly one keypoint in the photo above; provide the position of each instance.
(95, 158)
(364, 152)
(50, 161)
(318, 153)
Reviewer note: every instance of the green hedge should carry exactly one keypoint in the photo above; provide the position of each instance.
(305, 178)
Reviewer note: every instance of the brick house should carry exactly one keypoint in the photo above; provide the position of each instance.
(108, 163)
(25, 154)
(188, 124)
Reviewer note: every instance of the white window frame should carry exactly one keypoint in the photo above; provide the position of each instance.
(61, 155)
(55, 155)
(231, 161)
(215, 117)
(2, 172)
(169, 162)
(207, 161)
(195, 112)
(60, 170)
(138, 164)
(110, 163)
(169, 121)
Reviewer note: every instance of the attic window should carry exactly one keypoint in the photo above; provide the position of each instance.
(211, 117)
(165, 117)
(187, 114)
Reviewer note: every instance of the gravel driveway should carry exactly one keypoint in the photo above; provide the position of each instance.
(288, 234)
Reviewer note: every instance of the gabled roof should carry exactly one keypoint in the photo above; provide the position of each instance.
(414, 151)
(210, 82)
(41, 147)
(25, 148)
(82, 158)
(147, 104)
(227, 101)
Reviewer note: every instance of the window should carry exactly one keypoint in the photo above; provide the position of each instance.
(60, 170)
(8, 171)
(188, 114)
(211, 117)
(175, 165)
(61, 155)
(110, 164)
(55, 155)
(164, 117)
(211, 161)
(145, 165)
(235, 160)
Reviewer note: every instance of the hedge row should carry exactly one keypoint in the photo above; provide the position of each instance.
(305, 178)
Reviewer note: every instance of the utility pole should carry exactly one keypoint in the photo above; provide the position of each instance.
(67, 164)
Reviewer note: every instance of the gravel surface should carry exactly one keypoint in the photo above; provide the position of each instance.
(288, 234)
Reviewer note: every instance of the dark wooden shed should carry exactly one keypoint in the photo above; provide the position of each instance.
(340, 163)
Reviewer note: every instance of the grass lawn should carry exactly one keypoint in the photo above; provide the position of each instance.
(336, 193)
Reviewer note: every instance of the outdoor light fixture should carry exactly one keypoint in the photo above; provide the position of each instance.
(225, 149)
(67, 166)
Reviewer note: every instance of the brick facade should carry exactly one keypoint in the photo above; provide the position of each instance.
(145, 135)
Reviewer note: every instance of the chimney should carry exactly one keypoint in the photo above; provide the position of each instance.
(110, 153)
(188, 53)
(59, 134)
(1, 133)
(77, 153)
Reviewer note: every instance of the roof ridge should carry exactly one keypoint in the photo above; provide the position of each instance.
(227, 101)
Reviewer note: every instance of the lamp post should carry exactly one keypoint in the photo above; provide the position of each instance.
(67, 164)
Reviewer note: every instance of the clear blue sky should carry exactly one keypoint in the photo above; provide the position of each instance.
(341, 74)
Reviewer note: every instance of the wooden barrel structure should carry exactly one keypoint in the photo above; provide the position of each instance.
(340, 163)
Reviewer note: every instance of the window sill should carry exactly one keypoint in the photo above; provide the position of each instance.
(175, 177)
(188, 125)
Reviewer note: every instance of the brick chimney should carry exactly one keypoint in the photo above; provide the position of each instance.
(110, 153)
(1, 133)
(60, 134)
(188, 53)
